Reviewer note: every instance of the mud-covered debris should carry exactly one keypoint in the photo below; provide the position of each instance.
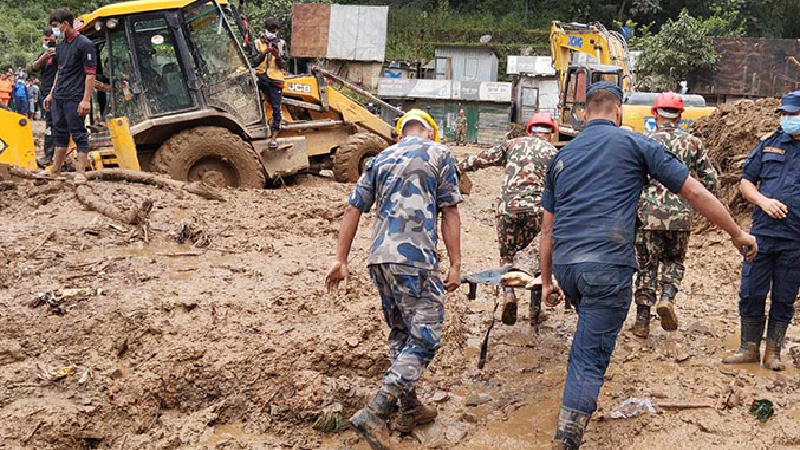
(51, 300)
(191, 233)
(330, 419)
(762, 409)
(478, 399)
(455, 433)
(632, 407)
(440, 396)
(352, 341)
(469, 417)
(682, 355)
(77, 293)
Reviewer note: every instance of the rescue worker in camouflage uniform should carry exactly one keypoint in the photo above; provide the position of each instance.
(409, 183)
(774, 166)
(519, 213)
(663, 236)
(461, 128)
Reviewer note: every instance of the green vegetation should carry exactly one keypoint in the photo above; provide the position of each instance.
(417, 26)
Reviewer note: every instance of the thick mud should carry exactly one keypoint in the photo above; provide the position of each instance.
(228, 341)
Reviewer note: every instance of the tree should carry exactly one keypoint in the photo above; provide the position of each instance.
(680, 47)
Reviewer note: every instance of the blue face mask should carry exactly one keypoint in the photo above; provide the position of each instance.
(790, 124)
(56, 32)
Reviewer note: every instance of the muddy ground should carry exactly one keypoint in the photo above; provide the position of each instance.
(228, 341)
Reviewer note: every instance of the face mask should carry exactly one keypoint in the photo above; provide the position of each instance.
(56, 32)
(790, 124)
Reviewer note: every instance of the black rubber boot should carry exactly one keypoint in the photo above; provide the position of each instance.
(750, 349)
(776, 333)
(642, 327)
(571, 425)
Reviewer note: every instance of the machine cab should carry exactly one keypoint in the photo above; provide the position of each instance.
(573, 99)
(168, 61)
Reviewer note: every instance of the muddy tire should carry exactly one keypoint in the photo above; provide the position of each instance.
(349, 160)
(210, 154)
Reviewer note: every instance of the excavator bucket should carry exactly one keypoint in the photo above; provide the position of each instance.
(16, 141)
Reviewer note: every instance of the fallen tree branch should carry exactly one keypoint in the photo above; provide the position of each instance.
(150, 179)
(92, 201)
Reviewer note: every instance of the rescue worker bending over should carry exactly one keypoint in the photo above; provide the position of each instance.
(269, 63)
(519, 212)
(666, 219)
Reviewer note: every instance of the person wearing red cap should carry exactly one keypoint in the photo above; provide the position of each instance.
(519, 212)
(665, 220)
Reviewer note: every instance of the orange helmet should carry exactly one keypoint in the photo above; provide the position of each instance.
(668, 100)
(540, 120)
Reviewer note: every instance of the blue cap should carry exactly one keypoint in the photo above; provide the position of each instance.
(604, 86)
(790, 103)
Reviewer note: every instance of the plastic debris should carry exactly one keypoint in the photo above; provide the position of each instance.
(632, 407)
(762, 409)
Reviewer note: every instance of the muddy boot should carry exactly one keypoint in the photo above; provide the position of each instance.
(571, 425)
(414, 413)
(370, 422)
(776, 333)
(749, 352)
(642, 327)
(509, 316)
(666, 309)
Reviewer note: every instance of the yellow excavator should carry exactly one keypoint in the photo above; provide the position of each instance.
(184, 101)
(584, 54)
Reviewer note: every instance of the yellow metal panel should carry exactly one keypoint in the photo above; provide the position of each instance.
(16, 141)
(133, 7)
(124, 147)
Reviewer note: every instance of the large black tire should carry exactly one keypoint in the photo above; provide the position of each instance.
(349, 160)
(210, 154)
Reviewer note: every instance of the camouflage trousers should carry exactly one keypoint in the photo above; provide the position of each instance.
(461, 137)
(664, 250)
(516, 232)
(412, 307)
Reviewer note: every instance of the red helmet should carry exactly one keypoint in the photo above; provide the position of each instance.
(668, 100)
(540, 119)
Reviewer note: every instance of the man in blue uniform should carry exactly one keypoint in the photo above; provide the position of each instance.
(775, 166)
(409, 183)
(591, 194)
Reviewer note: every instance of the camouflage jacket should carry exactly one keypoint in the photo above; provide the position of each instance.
(526, 161)
(461, 124)
(409, 183)
(660, 209)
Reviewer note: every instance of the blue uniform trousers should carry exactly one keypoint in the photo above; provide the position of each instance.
(601, 294)
(412, 307)
(777, 264)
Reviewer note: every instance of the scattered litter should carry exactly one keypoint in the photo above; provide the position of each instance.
(330, 419)
(762, 409)
(56, 374)
(632, 407)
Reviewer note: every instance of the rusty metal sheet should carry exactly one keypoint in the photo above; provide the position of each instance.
(310, 30)
(751, 66)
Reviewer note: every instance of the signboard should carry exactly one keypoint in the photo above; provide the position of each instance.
(486, 91)
(530, 65)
